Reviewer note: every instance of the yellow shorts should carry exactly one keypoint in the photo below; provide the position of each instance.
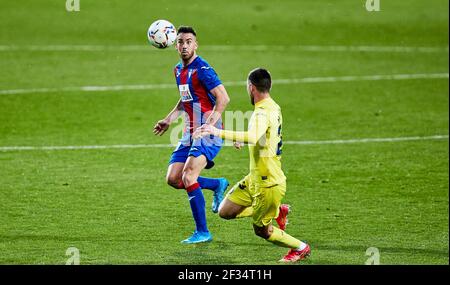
(265, 201)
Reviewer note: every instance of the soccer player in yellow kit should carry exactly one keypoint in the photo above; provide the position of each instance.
(259, 194)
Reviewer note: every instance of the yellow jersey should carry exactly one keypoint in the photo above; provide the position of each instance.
(264, 138)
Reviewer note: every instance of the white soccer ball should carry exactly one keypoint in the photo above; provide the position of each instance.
(162, 33)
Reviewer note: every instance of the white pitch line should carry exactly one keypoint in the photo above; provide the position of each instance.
(131, 146)
(81, 147)
(220, 48)
(232, 83)
(369, 140)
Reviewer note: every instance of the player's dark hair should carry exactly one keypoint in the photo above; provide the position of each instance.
(186, 29)
(261, 79)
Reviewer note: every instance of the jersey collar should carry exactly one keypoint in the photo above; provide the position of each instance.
(262, 102)
(195, 59)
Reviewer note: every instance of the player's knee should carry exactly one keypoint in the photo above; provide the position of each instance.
(174, 181)
(177, 184)
(262, 232)
(188, 177)
(224, 214)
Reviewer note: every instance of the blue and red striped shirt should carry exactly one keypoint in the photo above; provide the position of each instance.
(195, 81)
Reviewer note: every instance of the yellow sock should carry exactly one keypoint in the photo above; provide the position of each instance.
(248, 212)
(281, 238)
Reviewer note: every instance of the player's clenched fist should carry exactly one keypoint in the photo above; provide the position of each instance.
(161, 127)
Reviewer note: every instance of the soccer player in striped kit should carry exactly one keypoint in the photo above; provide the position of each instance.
(203, 98)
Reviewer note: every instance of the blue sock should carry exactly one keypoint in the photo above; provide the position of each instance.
(197, 202)
(208, 183)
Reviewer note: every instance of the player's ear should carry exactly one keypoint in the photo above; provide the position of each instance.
(252, 87)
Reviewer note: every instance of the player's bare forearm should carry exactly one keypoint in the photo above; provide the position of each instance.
(174, 114)
(213, 117)
(163, 125)
(222, 100)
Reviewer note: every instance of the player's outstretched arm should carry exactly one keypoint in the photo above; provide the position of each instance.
(222, 100)
(163, 125)
(258, 126)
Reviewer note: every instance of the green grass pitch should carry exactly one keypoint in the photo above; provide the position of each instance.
(113, 204)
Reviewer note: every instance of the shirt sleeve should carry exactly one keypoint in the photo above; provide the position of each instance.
(257, 128)
(208, 77)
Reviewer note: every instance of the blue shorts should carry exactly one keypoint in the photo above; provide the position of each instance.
(199, 147)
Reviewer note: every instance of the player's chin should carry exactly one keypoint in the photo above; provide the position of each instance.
(186, 55)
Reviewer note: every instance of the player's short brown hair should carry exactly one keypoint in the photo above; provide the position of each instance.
(261, 79)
